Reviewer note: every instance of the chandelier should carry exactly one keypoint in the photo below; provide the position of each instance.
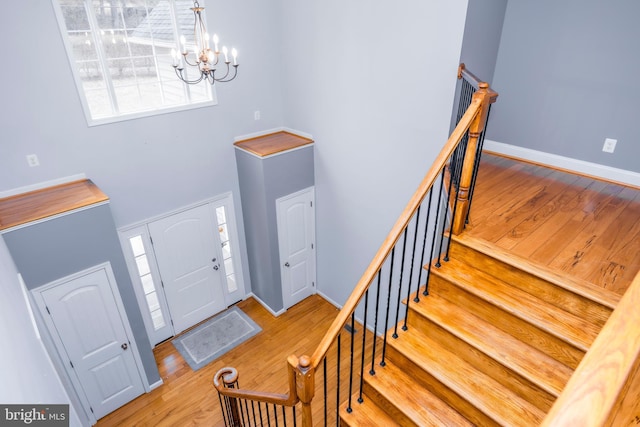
(202, 56)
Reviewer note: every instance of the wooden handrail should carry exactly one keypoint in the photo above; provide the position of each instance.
(302, 370)
(604, 390)
(396, 231)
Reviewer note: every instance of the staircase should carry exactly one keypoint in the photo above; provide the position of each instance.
(493, 343)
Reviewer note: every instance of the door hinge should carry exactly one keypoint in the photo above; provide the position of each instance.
(91, 410)
(71, 363)
(311, 203)
(47, 310)
(313, 284)
(162, 284)
(171, 322)
(151, 239)
(312, 246)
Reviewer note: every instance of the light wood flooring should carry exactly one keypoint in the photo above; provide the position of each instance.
(577, 226)
(188, 398)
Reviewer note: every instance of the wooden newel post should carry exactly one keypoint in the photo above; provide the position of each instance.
(229, 377)
(305, 388)
(486, 97)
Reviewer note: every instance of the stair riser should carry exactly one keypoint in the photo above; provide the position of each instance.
(425, 379)
(484, 363)
(554, 295)
(395, 413)
(522, 330)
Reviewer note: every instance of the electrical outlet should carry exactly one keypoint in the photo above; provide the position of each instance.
(256, 115)
(609, 145)
(32, 160)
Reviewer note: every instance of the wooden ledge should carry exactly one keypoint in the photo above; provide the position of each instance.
(39, 204)
(273, 143)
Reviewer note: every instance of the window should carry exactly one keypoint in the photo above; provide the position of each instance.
(146, 279)
(227, 254)
(120, 52)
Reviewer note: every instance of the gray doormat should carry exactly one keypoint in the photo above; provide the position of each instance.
(215, 337)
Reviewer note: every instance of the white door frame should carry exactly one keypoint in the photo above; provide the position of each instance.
(286, 298)
(142, 228)
(58, 349)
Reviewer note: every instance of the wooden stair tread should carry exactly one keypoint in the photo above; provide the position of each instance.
(529, 362)
(486, 394)
(415, 402)
(365, 414)
(563, 325)
(581, 287)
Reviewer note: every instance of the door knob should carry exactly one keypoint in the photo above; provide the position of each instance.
(286, 264)
(124, 346)
(214, 259)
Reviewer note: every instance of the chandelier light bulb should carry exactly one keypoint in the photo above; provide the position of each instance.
(234, 54)
(215, 42)
(225, 51)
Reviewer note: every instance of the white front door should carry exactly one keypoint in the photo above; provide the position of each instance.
(296, 240)
(88, 326)
(186, 246)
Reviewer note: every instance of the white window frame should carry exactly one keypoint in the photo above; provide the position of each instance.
(167, 331)
(117, 116)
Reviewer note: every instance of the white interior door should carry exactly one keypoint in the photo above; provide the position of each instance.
(88, 327)
(186, 246)
(296, 241)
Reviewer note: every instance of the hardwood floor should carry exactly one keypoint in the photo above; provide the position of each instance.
(575, 225)
(188, 398)
(581, 227)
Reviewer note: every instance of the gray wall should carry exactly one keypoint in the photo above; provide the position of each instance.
(373, 82)
(56, 248)
(262, 182)
(482, 32)
(566, 74)
(146, 166)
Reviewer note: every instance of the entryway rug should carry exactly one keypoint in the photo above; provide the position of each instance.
(215, 337)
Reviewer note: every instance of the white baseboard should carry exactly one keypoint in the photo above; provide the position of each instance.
(323, 295)
(156, 384)
(579, 166)
(264, 304)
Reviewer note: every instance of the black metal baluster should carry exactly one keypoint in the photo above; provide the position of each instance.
(404, 247)
(338, 382)
(324, 372)
(266, 405)
(424, 246)
(260, 413)
(413, 257)
(246, 410)
(253, 410)
(364, 342)
(222, 407)
(275, 414)
(295, 421)
(239, 403)
(375, 325)
(477, 164)
(386, 320)
(353, 338)
(438, 217)
(284, 416)
(455, 203)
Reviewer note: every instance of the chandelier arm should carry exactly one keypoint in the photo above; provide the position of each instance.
(179, 73)
(235, 73)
